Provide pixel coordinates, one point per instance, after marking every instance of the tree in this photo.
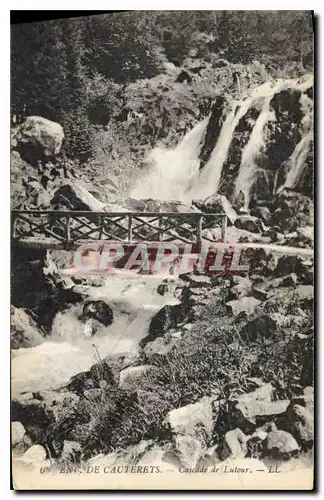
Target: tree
(121, 46)
(75, 120)
(48, 78)
(37, 69)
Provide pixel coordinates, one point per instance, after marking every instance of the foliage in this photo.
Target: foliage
(76, 71)
(121, 46)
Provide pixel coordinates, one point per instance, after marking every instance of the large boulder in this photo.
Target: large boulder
(245, 305)
(194, 420)
(249, 223)
(256, 408)
(71, 451)
(73, 196)
(306, 234)
(241, 288)
(235, 444)
(37, 411)
(170, 316)
(35, 454)
(300, 422)
(308, 398)
(159, 347)
(24, 331)
(38, 139)
(262, 327)
(281, 444)
(217, 204)
(293, 210)
(17, 432)
(298, 419)
(99, 311)
(188, 450)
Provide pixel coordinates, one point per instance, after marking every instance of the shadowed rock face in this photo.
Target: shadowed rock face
(75, 197)
(232, 163)
(213, 130)
(98, 310)
(170, 316)
(23, 329)
(31, 289)
(284, 133)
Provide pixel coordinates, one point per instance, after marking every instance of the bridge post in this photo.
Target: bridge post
(160, 233)
(130, 231)
(199, 229)
(13, 225)
(68, 232)
(224, 227)
(101, 226)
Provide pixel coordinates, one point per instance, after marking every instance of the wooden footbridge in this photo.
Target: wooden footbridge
(70, 229)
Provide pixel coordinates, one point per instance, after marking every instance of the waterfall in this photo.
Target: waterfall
(172, 170)
(174, 173)
(297, 161)
(206, 183)
(68, 352)
(252, 150)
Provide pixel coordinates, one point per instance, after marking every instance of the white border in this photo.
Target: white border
(5, 198)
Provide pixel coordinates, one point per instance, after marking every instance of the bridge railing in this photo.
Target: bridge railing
(128, 227)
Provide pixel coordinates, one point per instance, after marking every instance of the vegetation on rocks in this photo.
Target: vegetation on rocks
(119, 71)
(233, 358)
(223, 357)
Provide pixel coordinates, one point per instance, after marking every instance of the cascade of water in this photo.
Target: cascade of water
(175, 173)
(297, 161)
(173, 170)
(207, 180)
(252, 151)
(68, 352)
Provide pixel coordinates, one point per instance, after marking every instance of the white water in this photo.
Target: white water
(134, 300)
(172, 170)
(252, 151)
(297, 162)
(207, 181)
(175, 174)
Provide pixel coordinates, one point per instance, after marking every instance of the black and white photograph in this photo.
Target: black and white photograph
(162, 250)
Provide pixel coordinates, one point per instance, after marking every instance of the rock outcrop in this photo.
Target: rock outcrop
(170, 316)
(281, 444)
(73, 196)
(38, 139)
(24, 331)
(99, 311)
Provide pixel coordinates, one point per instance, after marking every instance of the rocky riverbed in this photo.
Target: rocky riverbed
(187, 370)
(191, 367)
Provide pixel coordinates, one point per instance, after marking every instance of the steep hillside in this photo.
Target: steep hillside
(172, 112)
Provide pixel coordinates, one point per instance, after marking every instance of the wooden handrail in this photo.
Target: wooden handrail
(117, 214)
(108, 223)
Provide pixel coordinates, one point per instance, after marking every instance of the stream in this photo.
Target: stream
(134, 301)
